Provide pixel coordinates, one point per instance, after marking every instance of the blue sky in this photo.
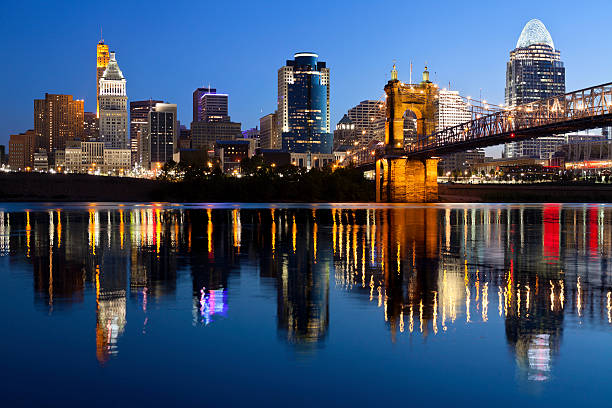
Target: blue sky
(167, 49)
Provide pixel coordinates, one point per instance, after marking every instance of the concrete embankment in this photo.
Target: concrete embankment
(75, 187)
(513, 193)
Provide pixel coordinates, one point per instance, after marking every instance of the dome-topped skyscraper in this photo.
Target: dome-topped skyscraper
(534, 32)
(535, 71)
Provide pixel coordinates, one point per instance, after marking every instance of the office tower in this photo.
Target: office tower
(162, 133)
(214, 122)
(345, 134)
(139, 121)
(535, 71)
(451, 110)
(369, 120)
(205, 134)
(253, 135)
(3, 156)
(210, 106)
(57, 119)
(102, 58)
(21, 150)
(91, 126)
(303, 105)
(269, 134)
(113, 107)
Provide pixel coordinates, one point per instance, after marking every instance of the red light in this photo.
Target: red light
(512, 135)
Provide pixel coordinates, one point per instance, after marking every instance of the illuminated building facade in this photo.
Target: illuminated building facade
(113, 107)
(57, 119)
(303, 105)
(535, 71)
(345, 133)
(269, 134)
(139, 122)
(102, 58)
(451, 111)
(210, 106)
(21, 150)
(91, 126)
(161, 134)
(369, 120)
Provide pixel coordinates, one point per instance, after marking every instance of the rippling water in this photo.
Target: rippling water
(291, 305)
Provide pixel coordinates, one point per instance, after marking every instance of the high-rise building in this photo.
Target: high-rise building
(270, 137)
(21, 150)
(452, 110)
(113, 107)
(57, 119)
(3, 156)
(205, 134)
(102, 58)
(210, 106)
(162, 132)
(139, 121)
(214, 122)
(345, 134)
(91, 126)
(535, 71)
(303, 105)
(369, 120)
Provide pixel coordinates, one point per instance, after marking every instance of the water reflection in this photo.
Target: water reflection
(429, 269)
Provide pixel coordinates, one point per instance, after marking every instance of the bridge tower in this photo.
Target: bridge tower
(399, 179)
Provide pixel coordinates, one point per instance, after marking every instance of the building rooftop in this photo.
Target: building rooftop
(534, 32)
(112, 70)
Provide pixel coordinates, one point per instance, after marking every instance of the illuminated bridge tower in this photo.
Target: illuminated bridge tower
(399, 179)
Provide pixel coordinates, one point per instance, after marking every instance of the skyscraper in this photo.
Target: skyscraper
(102, 58)
(113, 107)
(303, 105)
(213, 121)
(162, 132)
(535, 71)
(269, 132)
(139, 121)
(210, 106)
(452, 110)
(369, 120)
(57, 119)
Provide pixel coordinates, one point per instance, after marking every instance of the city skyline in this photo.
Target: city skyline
(468, 70)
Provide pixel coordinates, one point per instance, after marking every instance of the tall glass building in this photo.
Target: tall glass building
(303, 105)
(535, 71)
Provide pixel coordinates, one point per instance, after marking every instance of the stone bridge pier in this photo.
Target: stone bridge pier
(403, 180)
(400, 179)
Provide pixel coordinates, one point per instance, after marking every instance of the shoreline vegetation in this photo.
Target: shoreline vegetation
(269, 184)
(265, 182)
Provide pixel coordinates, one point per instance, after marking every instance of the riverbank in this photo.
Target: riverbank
(317, 186)
(76, 187)
(531, 193)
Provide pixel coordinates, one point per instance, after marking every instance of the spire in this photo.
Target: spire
(394, 73)
(426, 75)
(101, 37)
(112, 69)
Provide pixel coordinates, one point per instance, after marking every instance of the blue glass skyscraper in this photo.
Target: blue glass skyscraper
(303, 105)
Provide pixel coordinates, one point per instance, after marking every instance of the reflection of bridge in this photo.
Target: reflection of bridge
(409, 173)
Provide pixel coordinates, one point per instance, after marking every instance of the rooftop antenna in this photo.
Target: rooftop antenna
(101, 36)
(410, 72)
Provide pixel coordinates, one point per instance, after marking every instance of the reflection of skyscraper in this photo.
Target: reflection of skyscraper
(303, 284)
(535, 71)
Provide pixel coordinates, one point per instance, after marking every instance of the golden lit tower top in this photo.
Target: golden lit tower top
(103, 57)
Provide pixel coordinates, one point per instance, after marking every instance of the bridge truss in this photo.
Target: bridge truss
(579, 110)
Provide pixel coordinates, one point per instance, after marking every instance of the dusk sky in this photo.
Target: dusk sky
(167, 49)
